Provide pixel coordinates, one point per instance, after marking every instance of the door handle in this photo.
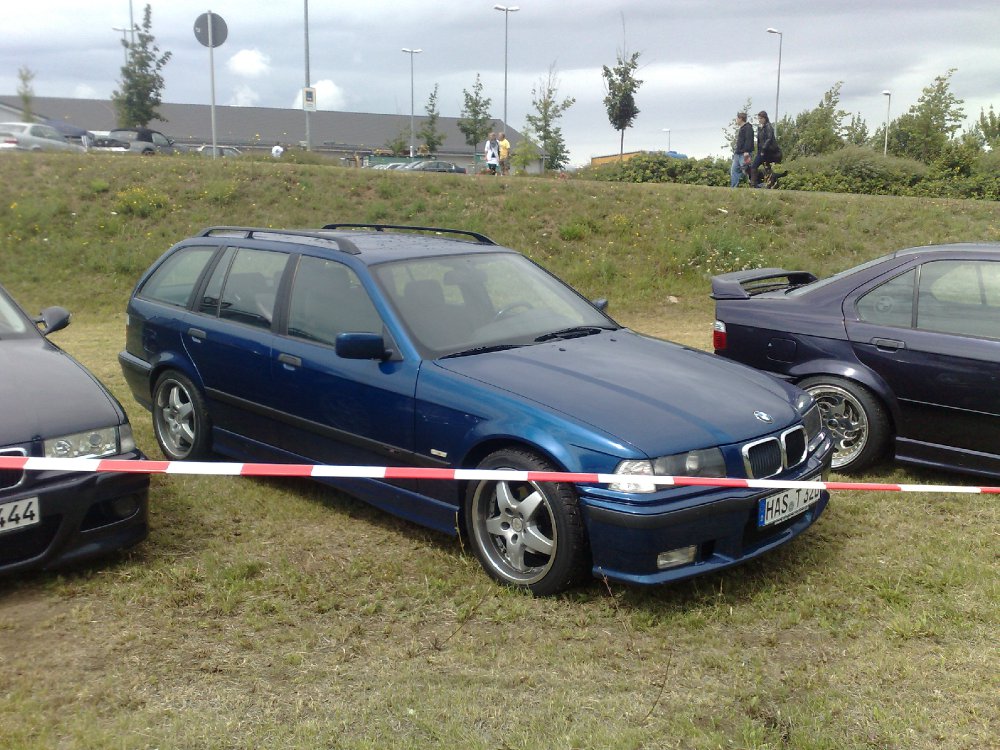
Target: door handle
(888, 345)
(196, 333)
(288, 359)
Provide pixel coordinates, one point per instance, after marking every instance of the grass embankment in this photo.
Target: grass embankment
(278, 614)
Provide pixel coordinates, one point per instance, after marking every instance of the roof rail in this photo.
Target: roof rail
(482, 239)
(306, 236)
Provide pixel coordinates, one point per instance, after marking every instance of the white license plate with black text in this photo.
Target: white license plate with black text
(785, 504)
(19, 514)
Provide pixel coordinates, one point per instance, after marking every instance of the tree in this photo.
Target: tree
(26, 91)
(428, 133)
(548, 110)
(400, 145)
(142, 84)
(922, 132)
(816, 131)
(856, 132)
(621, 85)
(988, 128)
(475, 122)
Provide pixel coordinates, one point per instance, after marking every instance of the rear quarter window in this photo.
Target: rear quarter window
(174, 280)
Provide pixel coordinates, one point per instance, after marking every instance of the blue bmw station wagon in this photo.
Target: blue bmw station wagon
(407, 346)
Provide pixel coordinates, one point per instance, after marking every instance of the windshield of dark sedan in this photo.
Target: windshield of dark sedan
(12, 322)
(470, 302)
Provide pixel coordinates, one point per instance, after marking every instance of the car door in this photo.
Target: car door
(933, 334)
(230, 339)
(338, 410)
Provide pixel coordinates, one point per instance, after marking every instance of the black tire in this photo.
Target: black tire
(180, 419)
(526, 534)
(855, 418)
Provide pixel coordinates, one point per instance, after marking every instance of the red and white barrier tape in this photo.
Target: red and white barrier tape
(25, 463)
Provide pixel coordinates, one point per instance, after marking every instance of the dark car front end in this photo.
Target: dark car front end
(53, 407)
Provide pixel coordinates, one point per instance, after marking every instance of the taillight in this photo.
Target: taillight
(718, 335)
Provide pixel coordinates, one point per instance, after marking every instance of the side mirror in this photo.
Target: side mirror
(53, 319)
(600, 304)
(361, 346)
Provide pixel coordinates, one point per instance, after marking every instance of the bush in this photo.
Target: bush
(663, 168)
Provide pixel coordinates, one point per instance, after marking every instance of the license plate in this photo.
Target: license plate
(784, 505)
(19, 514)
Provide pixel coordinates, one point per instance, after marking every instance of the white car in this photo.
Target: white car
(223, 151)
(33, 136)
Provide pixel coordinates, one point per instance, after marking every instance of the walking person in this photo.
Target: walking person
(766, 147)
(504, 154)
(742, 151)
(492, 153)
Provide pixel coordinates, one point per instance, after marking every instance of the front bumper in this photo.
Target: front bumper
(720, 523)
(83, 515)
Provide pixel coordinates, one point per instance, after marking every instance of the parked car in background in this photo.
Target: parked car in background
(434, 166)
(138, 141)
(901, 353)
(33, 136)
(437, 348)
(221, 151)
(51, 406)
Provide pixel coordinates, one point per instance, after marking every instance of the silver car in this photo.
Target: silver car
(32, 136)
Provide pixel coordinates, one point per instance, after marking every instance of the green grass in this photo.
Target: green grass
(275, 613)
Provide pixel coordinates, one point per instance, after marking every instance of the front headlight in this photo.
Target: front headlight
(701, 463)
(89, 444)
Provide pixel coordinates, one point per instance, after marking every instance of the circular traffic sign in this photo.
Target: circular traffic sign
(219, 29)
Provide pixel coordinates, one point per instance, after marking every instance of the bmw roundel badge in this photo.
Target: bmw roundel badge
(763, 416)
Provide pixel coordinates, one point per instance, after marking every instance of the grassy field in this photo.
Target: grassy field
(274, 613)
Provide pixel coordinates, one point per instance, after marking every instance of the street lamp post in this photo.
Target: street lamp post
(777, 93)
(888, 101)
(305, 16)
(125, 44)
(667, 131)
(507, 10)
(411, 53)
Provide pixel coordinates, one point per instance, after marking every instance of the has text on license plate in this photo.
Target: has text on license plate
(18, 514)
(785, 504)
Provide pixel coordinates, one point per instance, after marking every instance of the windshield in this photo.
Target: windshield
(12, 322)
(482, 301)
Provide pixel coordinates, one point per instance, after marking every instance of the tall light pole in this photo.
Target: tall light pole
(125, 44)
(308, 84)
(411, 53)
(888, 101)
(507, 10)
(777, 94)
(667, 131)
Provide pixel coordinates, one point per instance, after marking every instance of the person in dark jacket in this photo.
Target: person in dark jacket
(742, 151)
(766, 146)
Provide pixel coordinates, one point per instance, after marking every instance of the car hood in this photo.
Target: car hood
(45, 393)
(655, 395)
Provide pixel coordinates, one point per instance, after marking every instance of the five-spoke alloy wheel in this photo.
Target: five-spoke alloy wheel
(180, 418)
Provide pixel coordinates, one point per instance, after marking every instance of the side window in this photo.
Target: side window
(210, 298)
(960, 297)
(160, 140)
(252, 286)
(891, 303)
(327, 300)
(174, 281)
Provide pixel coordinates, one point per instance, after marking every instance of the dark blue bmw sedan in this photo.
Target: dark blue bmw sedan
(404, 346)
(901, 353)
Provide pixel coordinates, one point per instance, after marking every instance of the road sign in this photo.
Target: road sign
(219, 30)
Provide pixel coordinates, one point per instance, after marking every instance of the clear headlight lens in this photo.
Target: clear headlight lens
(701, 463)
(89, 444)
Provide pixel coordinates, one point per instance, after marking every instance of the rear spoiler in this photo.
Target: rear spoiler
(745, 284)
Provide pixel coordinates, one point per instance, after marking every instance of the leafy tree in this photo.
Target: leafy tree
(856, 132)
(26, 91)
(548, 109)
(988, 127)
(922, 132)
(432, 138)
(525, 153)
(732, 131)
(475, 122)
(621, 85)
(142, 84)
(816, 131)
(400, 144)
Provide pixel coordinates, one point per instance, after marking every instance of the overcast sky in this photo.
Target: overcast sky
(700, 59)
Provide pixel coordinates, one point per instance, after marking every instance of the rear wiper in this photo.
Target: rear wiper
(483, 350)
(573, 333)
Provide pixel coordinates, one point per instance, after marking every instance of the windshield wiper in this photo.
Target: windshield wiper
(482, 350)
(573, 333)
